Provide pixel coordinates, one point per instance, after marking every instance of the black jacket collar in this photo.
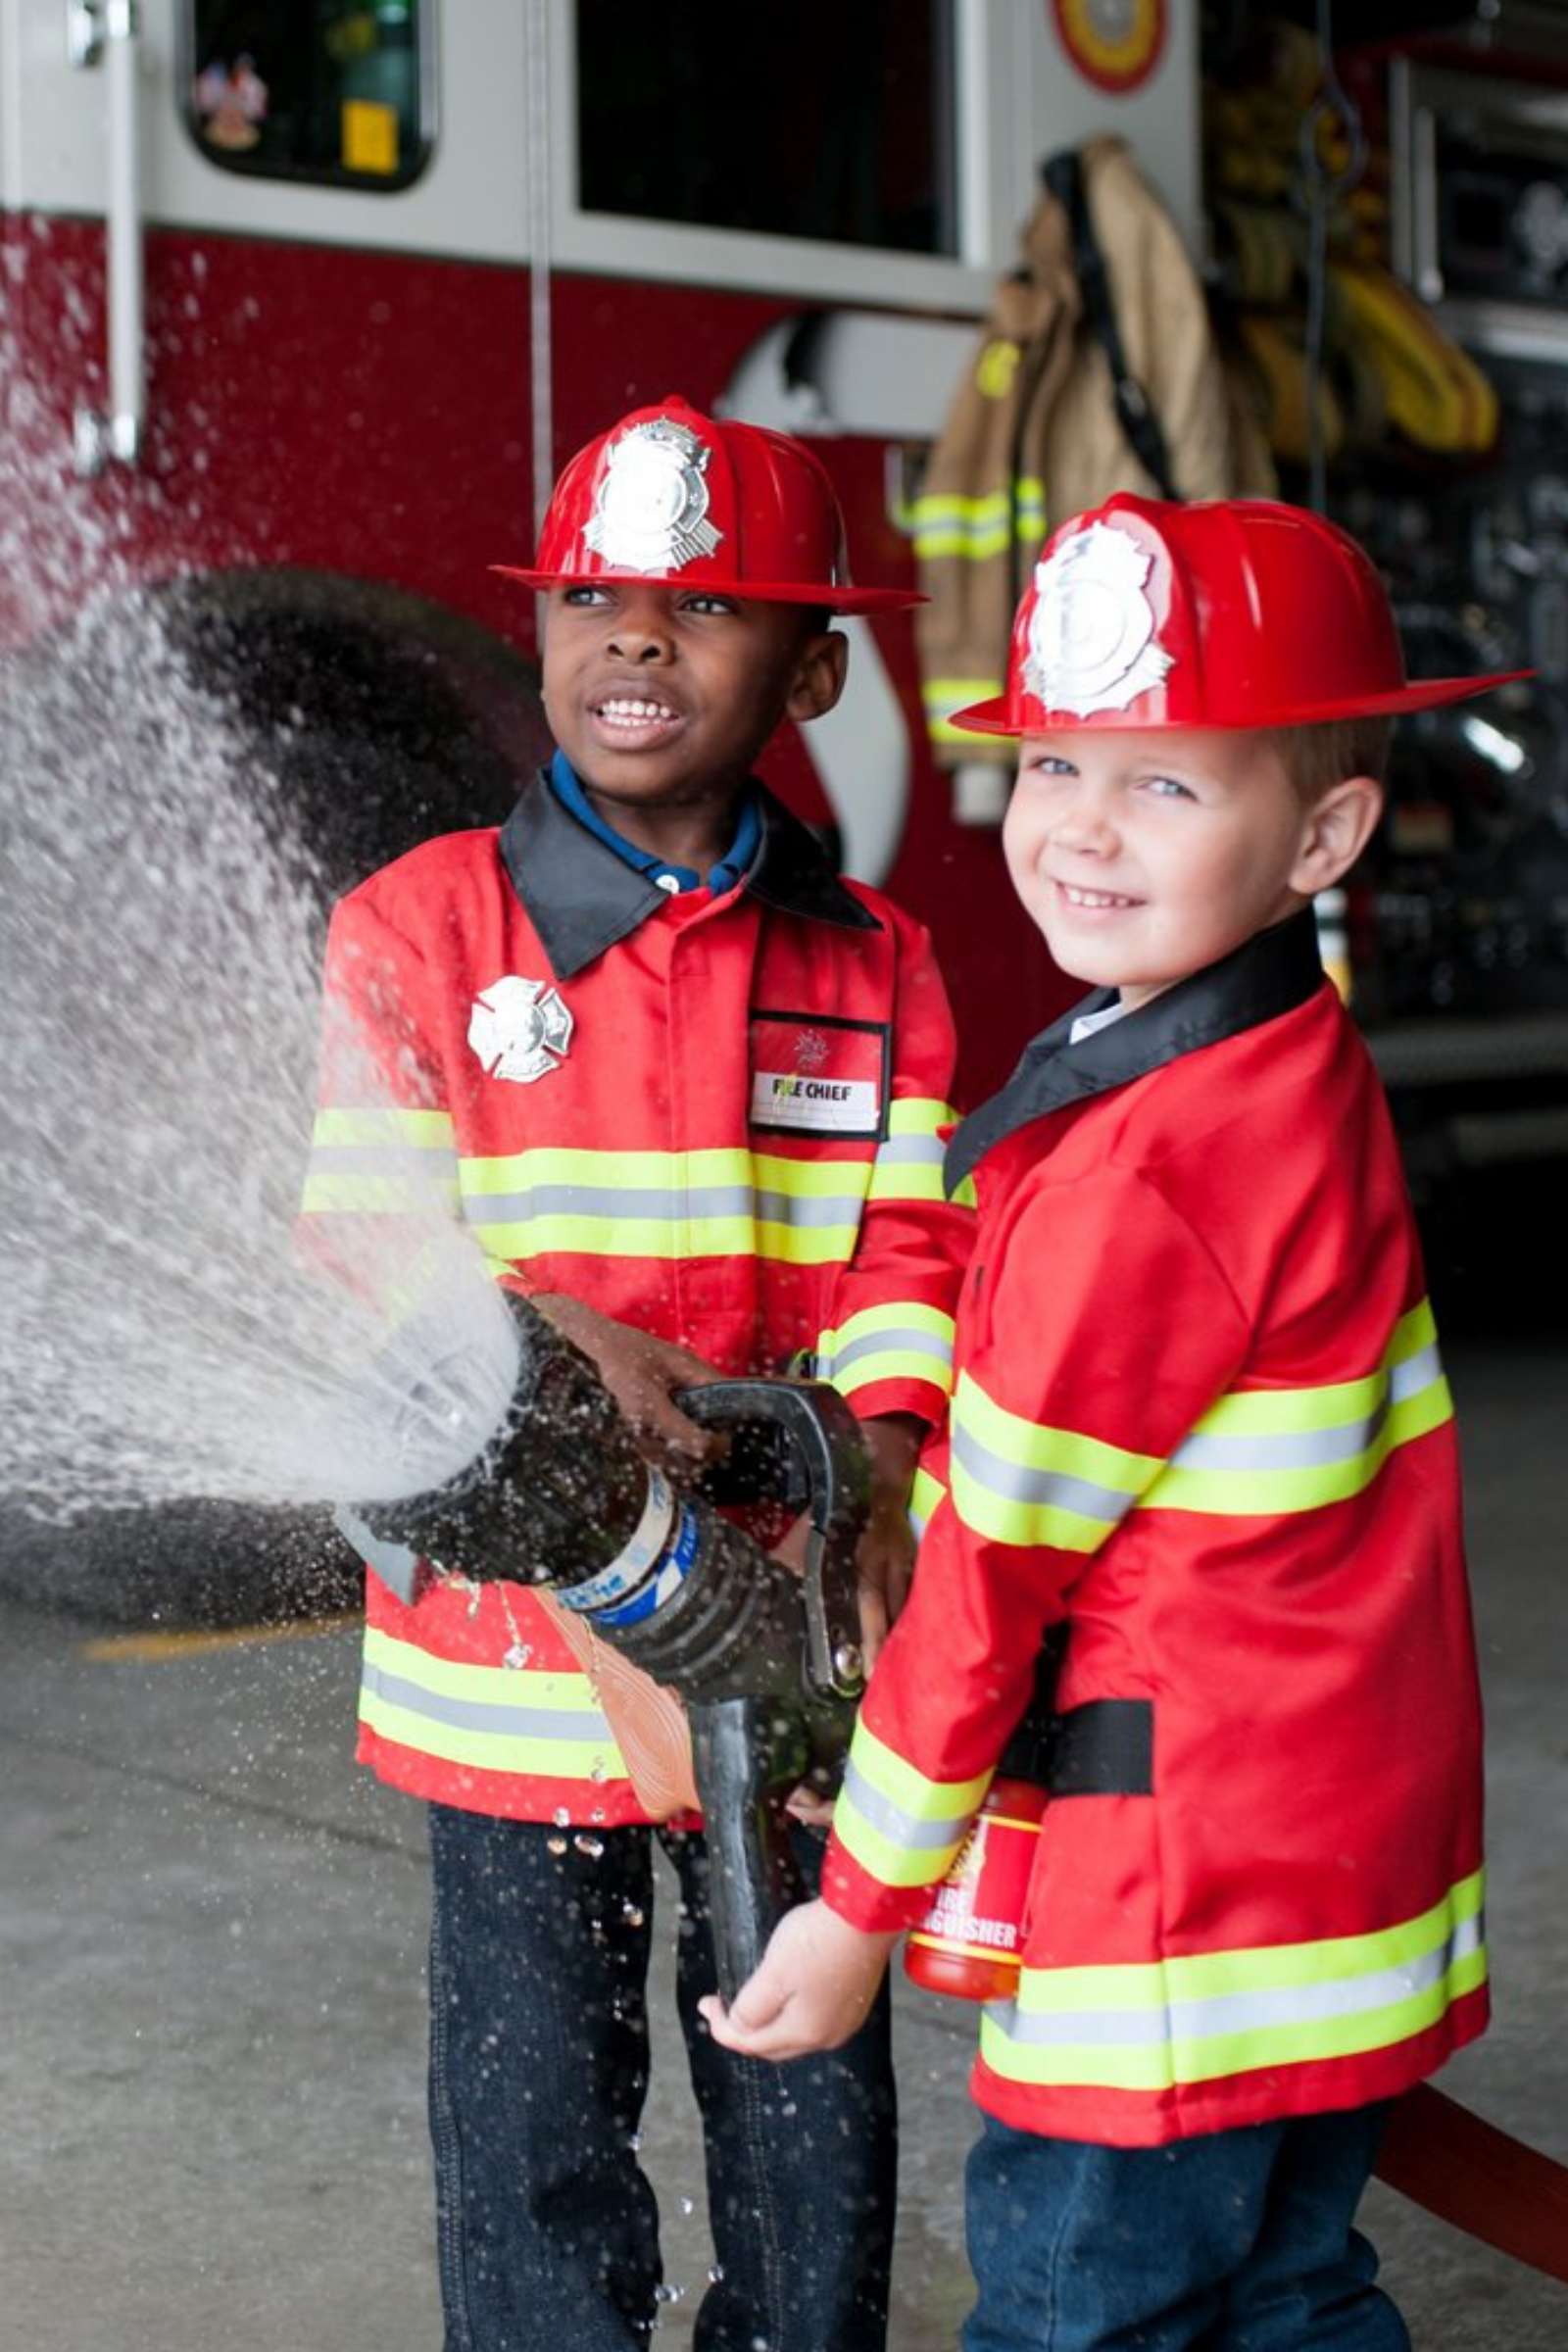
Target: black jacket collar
(583, 899)
(1269, 974)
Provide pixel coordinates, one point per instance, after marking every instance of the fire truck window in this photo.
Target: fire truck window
(334, 90)
(784, 118)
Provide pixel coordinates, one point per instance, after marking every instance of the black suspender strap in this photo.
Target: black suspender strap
(1062, 175)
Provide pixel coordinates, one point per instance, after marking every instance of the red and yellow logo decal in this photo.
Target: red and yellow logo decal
(1115, 44)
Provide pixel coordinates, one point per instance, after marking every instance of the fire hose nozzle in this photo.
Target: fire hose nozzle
(558, 1494)
(768, 1663)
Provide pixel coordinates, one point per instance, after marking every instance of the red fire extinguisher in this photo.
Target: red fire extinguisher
(969, 1943)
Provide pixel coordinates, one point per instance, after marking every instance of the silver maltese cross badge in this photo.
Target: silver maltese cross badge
(519, 1029)
(650, 507)
(1092, 633)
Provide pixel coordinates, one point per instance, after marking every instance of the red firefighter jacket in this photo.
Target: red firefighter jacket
(1199, 1423)
(720, 1118)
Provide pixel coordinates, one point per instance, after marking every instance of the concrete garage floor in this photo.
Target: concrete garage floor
(212, 2021)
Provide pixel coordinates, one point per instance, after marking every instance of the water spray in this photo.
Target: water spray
(768, 1663)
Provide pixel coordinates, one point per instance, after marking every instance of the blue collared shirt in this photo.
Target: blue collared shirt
(731, 868)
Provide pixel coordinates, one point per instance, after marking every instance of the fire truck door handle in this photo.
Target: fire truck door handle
(108, 32)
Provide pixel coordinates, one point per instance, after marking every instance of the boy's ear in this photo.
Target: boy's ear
(819, 675)
(1339, 827)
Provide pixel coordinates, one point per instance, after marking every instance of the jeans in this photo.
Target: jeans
(1240, 2241)
(547, 2225)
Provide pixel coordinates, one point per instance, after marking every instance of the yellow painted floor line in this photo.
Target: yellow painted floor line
(192, 1643)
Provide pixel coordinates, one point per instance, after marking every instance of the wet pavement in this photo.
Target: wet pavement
(212, 2018)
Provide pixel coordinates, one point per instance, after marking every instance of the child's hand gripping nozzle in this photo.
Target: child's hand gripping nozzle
(768, 1663)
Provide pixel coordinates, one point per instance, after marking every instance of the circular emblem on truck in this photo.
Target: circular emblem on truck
(1115, 44)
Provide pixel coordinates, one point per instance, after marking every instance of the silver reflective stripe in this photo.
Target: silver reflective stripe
(1313, 1449)
(626, 1204)
(1219, 2015)
(611, 1204)
(431, 1164)
(912, 1151)
(903, 1830)
(1016, 1481)
(899, 1342)
(500, 1722)
(809, 1209)
(1281, 1449)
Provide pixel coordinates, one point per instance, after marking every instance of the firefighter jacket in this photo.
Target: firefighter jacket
(1201, 1426)
(719, 1118)
(1033, 434)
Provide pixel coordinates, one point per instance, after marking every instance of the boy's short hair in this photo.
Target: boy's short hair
(1326, 751)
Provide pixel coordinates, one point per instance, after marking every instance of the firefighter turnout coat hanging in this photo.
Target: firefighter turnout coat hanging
(1234, 1478)
(718, 1116)
(1047, 421)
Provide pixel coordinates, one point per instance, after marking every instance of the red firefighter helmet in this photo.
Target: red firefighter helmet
(1234, 613)
(678, 500)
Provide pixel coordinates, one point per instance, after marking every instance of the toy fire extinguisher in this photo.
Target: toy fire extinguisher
(969, 1943)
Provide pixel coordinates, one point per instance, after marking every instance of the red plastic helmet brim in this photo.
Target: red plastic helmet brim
(999, 715)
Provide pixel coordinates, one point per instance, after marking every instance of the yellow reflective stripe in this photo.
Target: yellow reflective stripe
(902, 1828)
(1020, 1481)
(1192, 2019)
(975, 530)
(920, 1115)
(902, 1340)
(549, 1168)
(1255, 1453)
(1266, 1451)
(496, 1718)
(908, 1161)
(379, 1164)
(666, 1204)
(925, 1494)
(375, 1130)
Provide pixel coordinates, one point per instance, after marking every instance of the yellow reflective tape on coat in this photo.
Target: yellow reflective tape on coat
(1280, 1450)
(978, 529)
(1016, 1480)
(492, 1718)
(379, 1164)
(925, 1494)
(721, 1203)
(1197, 2018)
(900, 1340)
(908, 1161)
(902, 1828)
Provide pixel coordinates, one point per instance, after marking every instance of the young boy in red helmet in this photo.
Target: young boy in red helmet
(1201, 1436)
(599, 1016)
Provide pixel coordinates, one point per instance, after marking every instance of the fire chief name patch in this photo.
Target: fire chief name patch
(816, 1075)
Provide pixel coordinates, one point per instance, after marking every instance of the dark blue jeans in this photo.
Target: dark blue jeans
(1241, 2241)
(548, 2227)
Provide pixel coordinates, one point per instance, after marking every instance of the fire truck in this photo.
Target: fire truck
(306, 304)
(303, 306)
